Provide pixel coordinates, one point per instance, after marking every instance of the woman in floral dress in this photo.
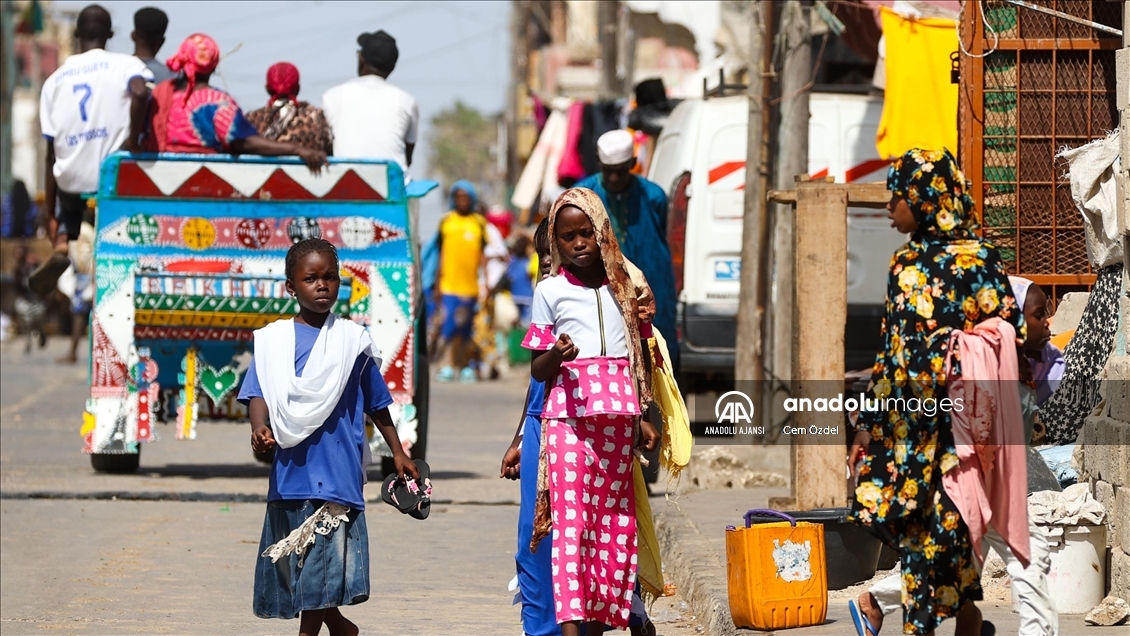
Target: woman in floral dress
(944, 278)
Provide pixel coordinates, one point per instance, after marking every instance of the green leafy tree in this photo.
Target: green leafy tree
(463, 144)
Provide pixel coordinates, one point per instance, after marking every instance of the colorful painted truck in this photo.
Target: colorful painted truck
(189, 261)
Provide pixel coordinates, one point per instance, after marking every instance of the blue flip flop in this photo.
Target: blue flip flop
(862, 625)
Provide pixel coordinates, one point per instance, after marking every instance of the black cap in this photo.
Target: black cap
(150, 20)
(379, 50)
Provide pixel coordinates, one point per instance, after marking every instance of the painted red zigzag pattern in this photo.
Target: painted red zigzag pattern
(205, 184)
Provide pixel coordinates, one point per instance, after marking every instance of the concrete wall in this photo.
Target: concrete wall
(1106, 467)
(1106, 436)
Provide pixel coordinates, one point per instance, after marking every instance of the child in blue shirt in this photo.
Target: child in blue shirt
(311, 383)
(521, 282)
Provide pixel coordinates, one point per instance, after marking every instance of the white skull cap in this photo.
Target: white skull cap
(615, 147)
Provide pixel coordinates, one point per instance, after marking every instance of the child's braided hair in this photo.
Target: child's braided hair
(304, 248)
(541, 236)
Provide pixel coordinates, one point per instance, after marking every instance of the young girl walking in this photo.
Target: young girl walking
(311, 383)
(535, 579)
(586, 336)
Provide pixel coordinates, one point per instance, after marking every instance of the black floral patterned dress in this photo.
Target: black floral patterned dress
(945, 278)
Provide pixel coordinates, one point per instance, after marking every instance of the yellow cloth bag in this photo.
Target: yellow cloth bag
(920, 104)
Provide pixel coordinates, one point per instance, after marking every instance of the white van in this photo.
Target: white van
(700, 160)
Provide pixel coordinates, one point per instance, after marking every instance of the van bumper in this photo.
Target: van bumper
(708, 335)
(708, 338)
(696, 361)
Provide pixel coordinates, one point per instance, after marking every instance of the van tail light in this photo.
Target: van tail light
(677, 225)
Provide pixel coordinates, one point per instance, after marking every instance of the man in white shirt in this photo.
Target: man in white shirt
(93, 105)
(370, 117)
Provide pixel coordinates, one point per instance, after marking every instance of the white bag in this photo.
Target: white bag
(506, 313)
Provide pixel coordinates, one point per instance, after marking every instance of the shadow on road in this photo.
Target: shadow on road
(208, 471)
(375, 474)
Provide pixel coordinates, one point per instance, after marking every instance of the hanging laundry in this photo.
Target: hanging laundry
(600, 117)
(533, 175)
(1092, 168)
(572, 168)
(1086, 355)
(920, 106)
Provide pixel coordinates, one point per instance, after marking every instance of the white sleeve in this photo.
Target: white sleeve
(46, 103)
(133, 67)
(540, 311)
(413, 121)
(540, 337)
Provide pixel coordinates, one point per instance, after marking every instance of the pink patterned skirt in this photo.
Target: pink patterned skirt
(592, 498)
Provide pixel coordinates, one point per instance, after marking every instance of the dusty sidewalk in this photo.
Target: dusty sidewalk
(691, 531)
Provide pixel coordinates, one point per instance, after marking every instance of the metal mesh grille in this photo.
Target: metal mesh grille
(1038, 94)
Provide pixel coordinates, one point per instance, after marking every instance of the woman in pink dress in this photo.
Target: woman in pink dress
(586, 336)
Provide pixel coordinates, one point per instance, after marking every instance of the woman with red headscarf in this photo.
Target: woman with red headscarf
(284, 118)
(187, 115)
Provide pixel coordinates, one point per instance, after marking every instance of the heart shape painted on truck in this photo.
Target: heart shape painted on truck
(217, 383)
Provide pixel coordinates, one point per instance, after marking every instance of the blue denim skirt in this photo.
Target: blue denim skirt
(334, 572)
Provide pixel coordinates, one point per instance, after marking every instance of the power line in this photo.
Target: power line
(427, 55)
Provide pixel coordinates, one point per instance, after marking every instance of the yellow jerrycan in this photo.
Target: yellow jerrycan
(776, 572)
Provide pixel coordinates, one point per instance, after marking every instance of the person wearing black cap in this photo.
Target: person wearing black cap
(149, 24)
(369, 116)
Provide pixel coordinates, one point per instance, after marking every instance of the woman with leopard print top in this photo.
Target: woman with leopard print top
(287, 119)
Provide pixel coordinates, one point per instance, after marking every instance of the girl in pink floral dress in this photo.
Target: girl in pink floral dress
(585, 333)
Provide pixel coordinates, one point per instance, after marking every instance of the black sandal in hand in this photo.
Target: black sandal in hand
(410, 496)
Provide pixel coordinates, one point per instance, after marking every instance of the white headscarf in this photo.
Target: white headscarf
(1019, 290)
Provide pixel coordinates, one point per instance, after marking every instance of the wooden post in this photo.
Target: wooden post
(747, 355)
(518, 69)
(819, 316)
(792, 160)
(609, 21)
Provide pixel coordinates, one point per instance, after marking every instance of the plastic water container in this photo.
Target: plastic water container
(1076, 579)
(518, 354)
(776, 574)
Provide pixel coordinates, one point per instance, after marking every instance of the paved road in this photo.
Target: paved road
(173, 552)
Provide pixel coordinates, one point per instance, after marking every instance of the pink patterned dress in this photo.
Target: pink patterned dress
(589, 411)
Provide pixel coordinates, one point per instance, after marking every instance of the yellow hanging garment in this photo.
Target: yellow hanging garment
(675, 451)
(649, 565)
(920, 105)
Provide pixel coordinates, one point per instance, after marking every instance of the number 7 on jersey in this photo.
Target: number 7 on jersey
(85, 88)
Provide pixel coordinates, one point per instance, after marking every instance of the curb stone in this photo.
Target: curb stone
(698, 573)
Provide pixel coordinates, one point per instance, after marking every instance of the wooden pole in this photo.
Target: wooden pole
(747, 358)
(609, 21)
(819, 313)
(792, 160)
(518, 63)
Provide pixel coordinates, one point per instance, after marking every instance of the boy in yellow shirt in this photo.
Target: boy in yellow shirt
(462, 238)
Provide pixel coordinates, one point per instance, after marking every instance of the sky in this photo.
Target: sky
(448, 51)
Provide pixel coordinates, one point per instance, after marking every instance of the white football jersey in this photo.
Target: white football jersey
(84, 110)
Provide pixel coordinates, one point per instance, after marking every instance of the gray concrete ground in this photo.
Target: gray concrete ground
(171, 549)
(692, 535)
